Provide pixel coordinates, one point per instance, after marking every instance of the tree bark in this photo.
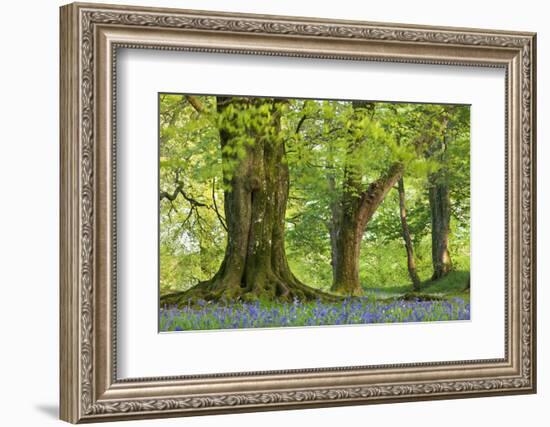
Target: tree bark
(440, 211)
(255, 264)
(357, 209)
(333, 224)
(411, 263)
(351, 215)
(440, 218)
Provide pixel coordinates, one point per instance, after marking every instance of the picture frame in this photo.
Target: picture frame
(91, 35)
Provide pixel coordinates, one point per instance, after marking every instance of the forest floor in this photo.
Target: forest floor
(454, 285)
(442, 300)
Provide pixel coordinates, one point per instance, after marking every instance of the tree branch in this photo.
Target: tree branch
(300, 123)
(195, 102)
(215, 205)
(377, 190)
(179, 190)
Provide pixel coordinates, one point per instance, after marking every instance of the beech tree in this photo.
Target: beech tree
(441, 218)
(451, 126)
(411, 262)
(362, 164)
(358, 205)
(277, 199)
(256, 186)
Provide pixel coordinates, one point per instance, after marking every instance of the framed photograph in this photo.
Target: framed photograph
(266, 212)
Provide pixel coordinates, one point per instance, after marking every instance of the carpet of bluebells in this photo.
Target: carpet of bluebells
(208, 315)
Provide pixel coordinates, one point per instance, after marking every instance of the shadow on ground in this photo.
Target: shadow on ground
(50, 410)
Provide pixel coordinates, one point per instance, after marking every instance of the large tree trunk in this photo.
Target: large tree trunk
(357, 209)
(411, 263)
(352, 214)
(440, 210)
(255, 265)
(440, 215)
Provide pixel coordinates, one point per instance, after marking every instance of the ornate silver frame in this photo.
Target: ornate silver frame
(90, 36)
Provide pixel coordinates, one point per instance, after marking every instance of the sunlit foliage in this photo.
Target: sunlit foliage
(319, 136)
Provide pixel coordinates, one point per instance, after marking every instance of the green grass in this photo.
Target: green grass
(454, 282)
(451, 286)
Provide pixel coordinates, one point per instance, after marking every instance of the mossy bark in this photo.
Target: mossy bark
(358, 207)
(405, 231)
(255, 265)
(440, 207)
(355, 210)
(440, 218)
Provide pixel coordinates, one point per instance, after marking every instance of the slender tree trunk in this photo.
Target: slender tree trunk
(440, 216)
(255, 265)
(334, 223)
(411, 264)
(357, 210)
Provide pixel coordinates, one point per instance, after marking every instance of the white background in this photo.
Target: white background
(29, 171)
(140, 347)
